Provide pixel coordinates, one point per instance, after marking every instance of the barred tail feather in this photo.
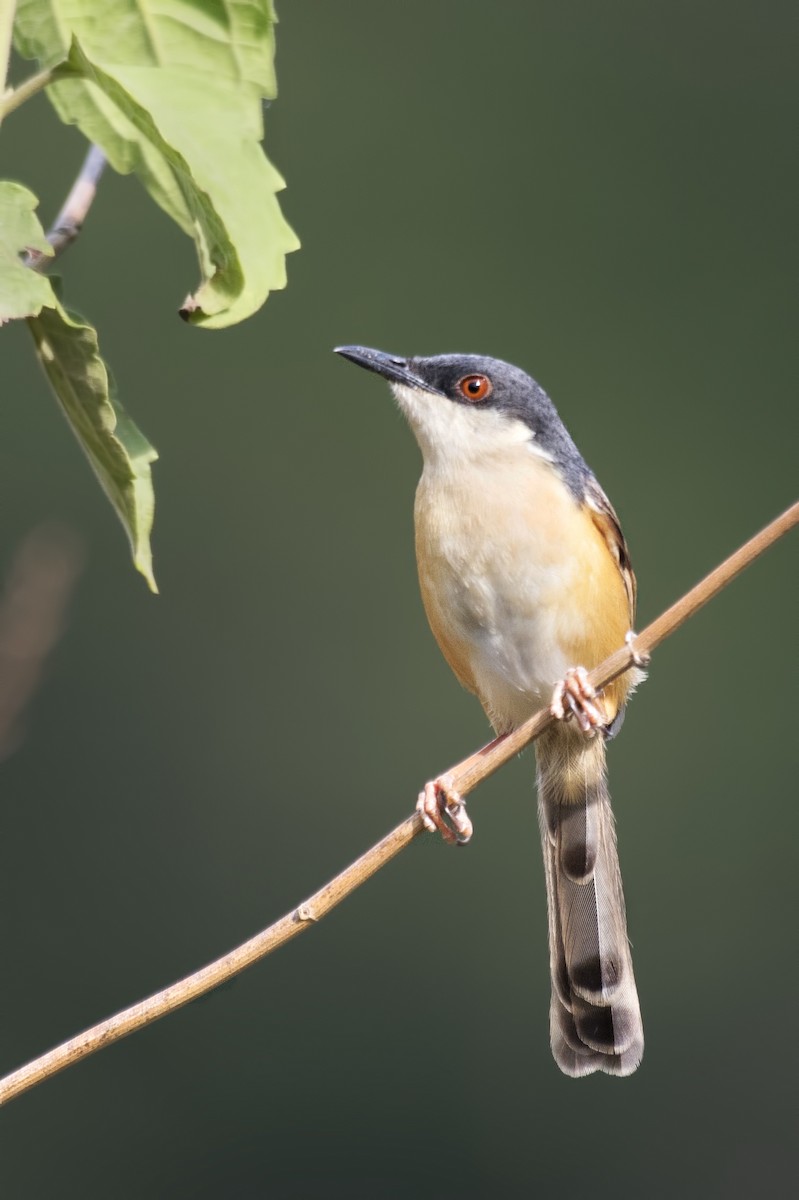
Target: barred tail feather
(595, 1018)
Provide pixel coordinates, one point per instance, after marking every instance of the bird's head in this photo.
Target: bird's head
(468, 406)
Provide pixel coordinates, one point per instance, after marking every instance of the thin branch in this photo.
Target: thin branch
(74, 211)
(466, 776)
(474, 770)
(7, 12)
(14, 97)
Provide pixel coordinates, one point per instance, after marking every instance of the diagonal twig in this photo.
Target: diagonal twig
(465, 776)
(13, 98)
(69, 222)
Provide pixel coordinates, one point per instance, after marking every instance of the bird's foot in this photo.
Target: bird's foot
(575, 697)
(442, 808)
(641, 659)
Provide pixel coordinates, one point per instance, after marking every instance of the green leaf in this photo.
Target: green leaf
(119, 453)
(173, 90)
(23, 292)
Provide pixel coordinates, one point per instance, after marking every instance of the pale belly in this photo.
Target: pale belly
(504, 595)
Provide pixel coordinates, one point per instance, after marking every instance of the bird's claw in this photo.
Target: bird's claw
(574, 696)
(640, 658)
(442, 808)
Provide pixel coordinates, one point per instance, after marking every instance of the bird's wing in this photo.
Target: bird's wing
(604, 517)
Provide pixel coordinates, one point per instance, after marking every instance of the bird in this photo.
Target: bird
(527, 584)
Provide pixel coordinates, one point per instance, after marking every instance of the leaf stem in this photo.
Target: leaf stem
(14, 97)
(465, 776)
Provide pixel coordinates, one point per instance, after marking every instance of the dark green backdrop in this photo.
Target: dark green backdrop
(606, 195)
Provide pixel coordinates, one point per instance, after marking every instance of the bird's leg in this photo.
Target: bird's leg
(441, 808)
(574, 696)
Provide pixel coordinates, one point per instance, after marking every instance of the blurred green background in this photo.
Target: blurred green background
(604, 194)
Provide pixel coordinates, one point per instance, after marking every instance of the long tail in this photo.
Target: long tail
(595, 1018)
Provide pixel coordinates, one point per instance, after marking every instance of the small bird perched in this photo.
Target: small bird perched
(524, 572)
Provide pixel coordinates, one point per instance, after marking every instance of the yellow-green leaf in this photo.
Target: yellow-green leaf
(118, 451)
(173, 90)
(23, 292)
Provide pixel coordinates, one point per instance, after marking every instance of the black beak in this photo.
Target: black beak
(392, 368)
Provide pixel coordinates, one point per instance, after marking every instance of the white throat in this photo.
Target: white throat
(448, 432)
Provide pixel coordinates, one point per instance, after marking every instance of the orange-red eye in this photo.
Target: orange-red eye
(475, 387)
